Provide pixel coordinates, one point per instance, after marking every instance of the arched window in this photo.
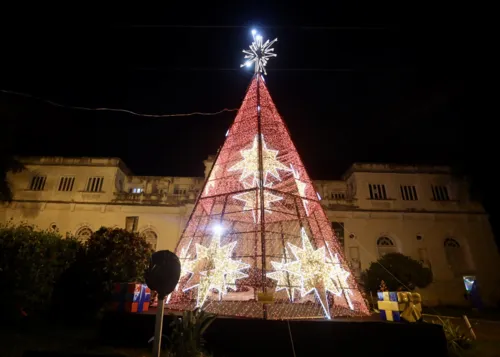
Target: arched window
(53, 227)
(385, 245)
(83, 234)
(455, 256)
(151, 237)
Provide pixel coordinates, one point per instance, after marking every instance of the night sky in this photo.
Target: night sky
(355, 81)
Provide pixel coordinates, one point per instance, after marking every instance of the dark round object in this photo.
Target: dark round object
(163, 273)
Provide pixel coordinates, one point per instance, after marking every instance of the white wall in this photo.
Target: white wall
(159, 209)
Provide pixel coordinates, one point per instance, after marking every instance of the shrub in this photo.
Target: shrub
(110, 256)
(457, 341)
(186, 338)
(31, 261)
(398, 272)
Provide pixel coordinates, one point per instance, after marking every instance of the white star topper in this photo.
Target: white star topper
(259, 53)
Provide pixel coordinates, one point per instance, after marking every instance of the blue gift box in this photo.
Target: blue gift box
(389, 306)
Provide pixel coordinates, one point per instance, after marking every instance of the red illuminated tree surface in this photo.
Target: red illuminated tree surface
(258, 229)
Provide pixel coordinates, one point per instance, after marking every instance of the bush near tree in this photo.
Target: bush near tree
(398, 271)
(40, 271)
(31, 261)
(110, 256)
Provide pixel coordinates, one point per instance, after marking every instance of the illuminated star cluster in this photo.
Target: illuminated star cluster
(301, 187)
(318, 273)
(213, 269)
(287, 276)
(249, 166)
(259, 53)
(252, 200)
(250, 163)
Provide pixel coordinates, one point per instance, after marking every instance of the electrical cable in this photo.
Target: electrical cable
(26, 95)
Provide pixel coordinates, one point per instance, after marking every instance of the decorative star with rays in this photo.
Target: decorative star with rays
(184, 260)
(287, 276)
(252, 200)
(213, 269)
(259, 53)
(319, 274)
(341, 277)
(301, 188)
(250, 163)
(211, 180)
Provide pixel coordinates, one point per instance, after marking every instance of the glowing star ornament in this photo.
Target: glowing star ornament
(318, 272)
(214, 269)
(301, 187)
(250, 163)
(211, 183)
(341, 276)
(252, 200)
(259, 53)
(183, 259)
(287, 276)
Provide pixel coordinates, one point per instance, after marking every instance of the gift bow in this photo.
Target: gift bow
(410, 305)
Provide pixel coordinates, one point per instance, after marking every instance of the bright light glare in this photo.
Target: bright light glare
(254, 32)
(248, 63)
(218, 229)
(259, 38)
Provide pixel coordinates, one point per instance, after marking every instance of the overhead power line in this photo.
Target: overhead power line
(257, 26)
(50, 102)
(239, 69)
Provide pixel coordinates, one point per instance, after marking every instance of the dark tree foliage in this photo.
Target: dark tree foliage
(31, 261)
(398, 271)
(110, 256)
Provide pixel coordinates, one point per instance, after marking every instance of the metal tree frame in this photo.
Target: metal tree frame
(279, 242)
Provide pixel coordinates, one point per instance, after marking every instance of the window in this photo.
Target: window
(66, 183)
(178, 190)
(408, 193)
(338, 228)
(94, 184)
(454, 256)
(377, 192)
(131, 223)
(385, 245)
(423, 257)
(338, 196)
(136, 190)
(151, 237)
(440, 193)
(355, 261)
(83, 234)
(38, 183)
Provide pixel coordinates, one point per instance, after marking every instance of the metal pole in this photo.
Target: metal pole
(160, 312)
(261, 198)
(467, 323)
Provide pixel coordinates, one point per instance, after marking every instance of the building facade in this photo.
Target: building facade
(422, 212)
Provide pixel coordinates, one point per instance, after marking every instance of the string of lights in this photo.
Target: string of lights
(261, 27)
(50, 102)
(258, 233)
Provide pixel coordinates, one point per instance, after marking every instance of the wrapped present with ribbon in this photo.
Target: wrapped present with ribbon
(131, 297)
(397, 306)
(388, 305)
(410, 306)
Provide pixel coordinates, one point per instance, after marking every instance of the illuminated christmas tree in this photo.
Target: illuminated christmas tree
(258, 233)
